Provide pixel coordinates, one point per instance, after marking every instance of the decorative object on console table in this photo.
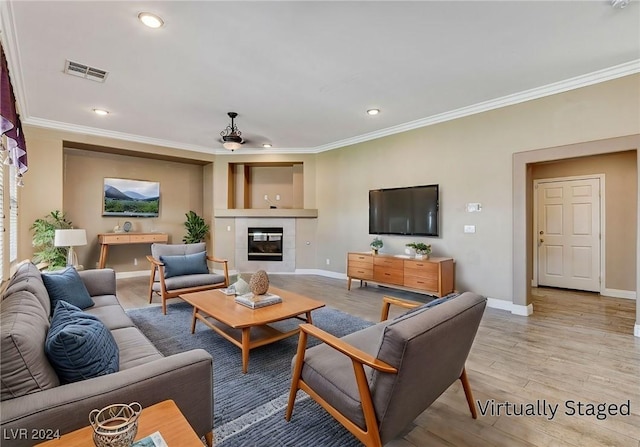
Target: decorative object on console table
(376, 244)
(259, 283)
(422, 250)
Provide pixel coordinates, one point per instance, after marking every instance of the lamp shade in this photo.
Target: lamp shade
(70, 238)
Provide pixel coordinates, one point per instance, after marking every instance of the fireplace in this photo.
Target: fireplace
(264, 244)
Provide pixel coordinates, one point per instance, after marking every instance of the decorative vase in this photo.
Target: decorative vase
(374, 251)
(115, 425)
(421, 256)
(259, 283)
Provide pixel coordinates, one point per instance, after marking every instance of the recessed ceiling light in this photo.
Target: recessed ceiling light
(101, 112)
(373, 111)
(266, 145)
(151, 20)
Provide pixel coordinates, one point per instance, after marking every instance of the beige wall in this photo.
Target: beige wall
(180, 191)
(621, 208)
(272, 181)
(73, 183)
(471, 160)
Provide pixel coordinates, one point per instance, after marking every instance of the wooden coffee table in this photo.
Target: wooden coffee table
(164, 417)
(249, 328)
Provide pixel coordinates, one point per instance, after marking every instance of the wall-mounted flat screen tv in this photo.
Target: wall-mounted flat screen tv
(130, 198)
(409, 211)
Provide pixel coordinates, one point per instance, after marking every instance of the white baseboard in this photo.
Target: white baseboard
(516, 309)
(122, 275)
(636, 330)
(617, 293)
(320, 272)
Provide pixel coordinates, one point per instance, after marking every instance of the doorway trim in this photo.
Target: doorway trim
(534, 223)
(521, 226)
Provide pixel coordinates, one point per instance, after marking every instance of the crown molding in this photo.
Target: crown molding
(595, 77)
(9, 41)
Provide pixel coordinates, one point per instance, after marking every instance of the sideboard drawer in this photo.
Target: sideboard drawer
(388, 262)
(360, 272)
(360, 258)
(115, 238)
(422, 283)
(389, 276)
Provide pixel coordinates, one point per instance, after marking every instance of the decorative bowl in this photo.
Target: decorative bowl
(115, 425)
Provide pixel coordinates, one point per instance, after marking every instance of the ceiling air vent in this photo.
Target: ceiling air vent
(84, 71)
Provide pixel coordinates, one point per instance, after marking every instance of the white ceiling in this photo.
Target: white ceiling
(301, 74)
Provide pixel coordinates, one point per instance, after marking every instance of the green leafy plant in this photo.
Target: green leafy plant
(197, 229)
(420, 248)
(376, 244)
(44, 231)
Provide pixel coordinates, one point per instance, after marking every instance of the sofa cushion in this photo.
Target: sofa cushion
(79, 345)
(180, 265)
(23, 329)
(67, 285)
(135, 349)
(113, 317)
(330, 372)
(180, 282)
(27, 277)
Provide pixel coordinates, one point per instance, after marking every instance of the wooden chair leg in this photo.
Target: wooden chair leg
(297, 372)
(209, 438)
(164, 304)
(468, 394)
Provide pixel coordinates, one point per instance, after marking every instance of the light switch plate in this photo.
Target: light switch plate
(474, 207)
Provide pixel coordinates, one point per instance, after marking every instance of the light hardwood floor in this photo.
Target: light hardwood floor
(575, 347)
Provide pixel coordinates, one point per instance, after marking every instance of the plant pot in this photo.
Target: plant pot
(421, 256)
(374, 251)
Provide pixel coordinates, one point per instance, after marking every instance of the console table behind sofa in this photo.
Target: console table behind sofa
(106, 239)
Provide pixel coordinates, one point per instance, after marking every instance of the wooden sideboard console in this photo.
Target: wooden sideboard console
(106, 239)
(433, 276)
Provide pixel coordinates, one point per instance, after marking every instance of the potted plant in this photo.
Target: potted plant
(376, 244)
(422, 250)
(44, 231)
(197, 229)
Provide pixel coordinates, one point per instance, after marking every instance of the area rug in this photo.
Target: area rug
(249, 408)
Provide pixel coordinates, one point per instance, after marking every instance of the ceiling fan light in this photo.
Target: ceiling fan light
(231, 138)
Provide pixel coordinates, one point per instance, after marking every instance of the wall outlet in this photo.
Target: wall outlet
(266, 197)
(328, 261)
(228, 227)
(135, 261)
(469, 228)
(277, 196)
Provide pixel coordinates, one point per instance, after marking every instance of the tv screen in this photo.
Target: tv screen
(409, 211)
(130, 198)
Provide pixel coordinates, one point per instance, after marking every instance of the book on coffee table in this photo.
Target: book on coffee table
(256, 301)
(155, 439)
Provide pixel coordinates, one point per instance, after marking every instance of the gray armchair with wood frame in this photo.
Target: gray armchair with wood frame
(376, 381)
(183, 268)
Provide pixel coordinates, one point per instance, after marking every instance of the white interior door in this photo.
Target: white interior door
(569, 234)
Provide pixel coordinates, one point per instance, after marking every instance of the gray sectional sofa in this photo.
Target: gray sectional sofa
(33, 400)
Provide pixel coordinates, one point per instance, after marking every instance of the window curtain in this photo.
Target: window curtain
(10, 126)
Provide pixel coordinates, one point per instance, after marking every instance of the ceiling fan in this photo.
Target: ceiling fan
(231, 136)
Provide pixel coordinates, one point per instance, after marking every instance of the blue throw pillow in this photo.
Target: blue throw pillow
(79, 346)
(67, 285)
(185, 264)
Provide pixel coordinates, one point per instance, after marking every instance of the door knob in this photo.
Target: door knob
(540, 242)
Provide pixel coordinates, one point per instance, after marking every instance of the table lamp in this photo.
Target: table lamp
(70, 238)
